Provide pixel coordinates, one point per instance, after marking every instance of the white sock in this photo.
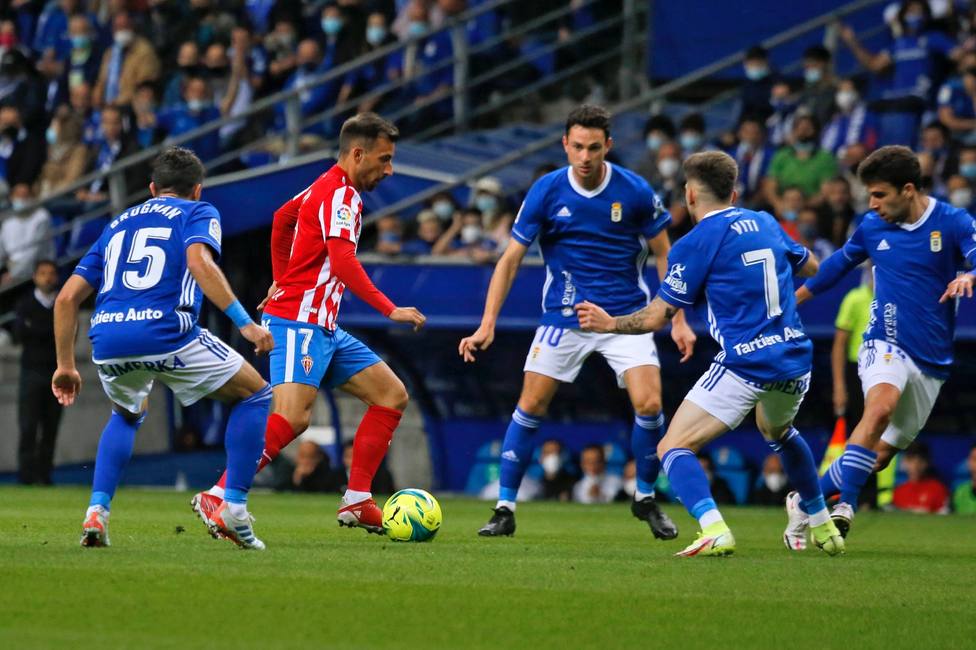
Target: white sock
(713, 516)
(505, 504)
(237, 510)
(819, 518)
(353, 496)
(217, 491)
(640, 496)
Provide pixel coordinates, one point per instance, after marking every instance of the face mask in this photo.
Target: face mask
(11, 132)
(690, 140)
(968, 170)
(389, 238)
(123, 37)
(756, 72)
(654, 142)
(845, 99)
(812, 75)
(550, 464)
(196, 105)
(775, 482)
(18, 204)
(416, 28)
(218, 71)
(331, 26)
(81, 42)
(470, 234)
(808, 231)
(961, 198)
(51, 135)
(668, 167)
(914, 22)
(375, 34)
(443, 209)
(789, 215)
(803, 146)
(486, 203)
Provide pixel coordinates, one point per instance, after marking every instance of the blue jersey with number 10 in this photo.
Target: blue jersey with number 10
(736, 268)
(147, 302)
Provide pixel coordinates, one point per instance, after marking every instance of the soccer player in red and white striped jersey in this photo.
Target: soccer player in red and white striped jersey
(313, 253)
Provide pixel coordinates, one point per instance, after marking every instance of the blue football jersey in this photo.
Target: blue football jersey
(147, 302)
(594, 243)
(736, 268)
(913, 265)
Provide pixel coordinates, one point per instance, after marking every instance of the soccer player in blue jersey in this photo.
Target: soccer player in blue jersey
(595, 222)
(918, 246)
(736, 267)
(151, 268)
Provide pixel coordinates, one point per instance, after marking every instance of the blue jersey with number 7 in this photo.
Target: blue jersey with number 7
(736, 268)
(146, 300)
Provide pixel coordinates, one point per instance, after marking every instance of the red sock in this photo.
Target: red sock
(370, 445)
(277, 435)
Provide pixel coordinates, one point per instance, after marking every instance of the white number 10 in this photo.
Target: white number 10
(764, 256)
(138, 251)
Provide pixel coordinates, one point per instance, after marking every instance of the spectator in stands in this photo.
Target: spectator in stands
(849, 162)
(837, 211)
(38, 409)
(24, 236)
(465, 237)
(964, 497)
(807, 227)
(313, 100)
(801, 164)
(666, 178)
(196, 110)
(629, 484)
(911, 64)
(230, 85)
(758, 86)
(280, 45)
(145, 105)
(819, 87)
(934, 155)
(389, 235)
(658, 130)
(721, 491)
(923, 492)
(80, 100)
(851, 123)
(67, 155)
(255, 58)
(50, 79)
(432, 75)
(960, 193)
(557, 480)
(21, 88)
(8, 36)
(788, 211)
(773, 486)
(187, 65)
(957, 102)
(429, 230)
(130, 61)
(852, 319)
(691, 134)
(113, 144)
(52, 26)
(313, 471)
(752, 154)
(496, 218)
(444, 206)
(381, 71)
(21, 151)
(85, 56)
(779, 124)
(596, 486)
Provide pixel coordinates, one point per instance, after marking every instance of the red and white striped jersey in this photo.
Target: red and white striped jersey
(308, 292)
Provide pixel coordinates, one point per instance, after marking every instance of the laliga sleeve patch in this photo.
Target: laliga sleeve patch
(343, 218)
(215, 229)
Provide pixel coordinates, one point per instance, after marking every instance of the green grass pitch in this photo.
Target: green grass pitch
(573, 577)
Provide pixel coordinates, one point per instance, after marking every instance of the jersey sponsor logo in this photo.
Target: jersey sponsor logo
(935, 241)
(564, 212)
(215, 229)
(891, 321)
(767, 340)
(883, 246)
(307, 363)
(130, 315)
(616, 212)
(674, 279)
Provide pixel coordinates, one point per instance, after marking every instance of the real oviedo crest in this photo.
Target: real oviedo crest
(616, 212)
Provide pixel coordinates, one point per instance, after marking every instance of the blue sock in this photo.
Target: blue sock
(798, 462)
(830, 481)
(114, 451)
(647, 432)
(857, 463)
(244, 442)
(689, 482)
(516, 453)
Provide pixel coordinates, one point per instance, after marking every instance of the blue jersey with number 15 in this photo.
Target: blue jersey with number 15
(147, 302)
(736, 268)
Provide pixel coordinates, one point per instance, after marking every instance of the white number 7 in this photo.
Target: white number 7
(765, 257)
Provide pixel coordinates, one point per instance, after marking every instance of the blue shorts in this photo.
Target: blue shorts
(306, 353)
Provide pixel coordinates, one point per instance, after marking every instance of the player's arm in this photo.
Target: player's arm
(810, 266)
(681, 333)
(213, 283)
(835, 267)
(66, 382)
(838, 360)
(501, 283)
(655, 316)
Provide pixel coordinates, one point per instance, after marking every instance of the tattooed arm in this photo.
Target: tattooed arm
(655, 316)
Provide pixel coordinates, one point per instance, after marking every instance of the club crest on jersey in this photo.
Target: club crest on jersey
(935, 241)
(616, 212)
(307, 363)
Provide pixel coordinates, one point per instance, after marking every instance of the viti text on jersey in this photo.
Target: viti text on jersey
(131, 314)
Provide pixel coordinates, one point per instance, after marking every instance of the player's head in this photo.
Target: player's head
(587, 140)
(709, 182)
(892, 176)
(177, 171)
(367, 143)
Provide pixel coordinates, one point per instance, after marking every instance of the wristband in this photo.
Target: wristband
(236, 312)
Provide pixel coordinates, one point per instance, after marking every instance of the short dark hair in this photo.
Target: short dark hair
(756, 52)
(817, 53)
(716, 170)
(894, 164)
(660, 122)
(365, 128)
(692, 122)
(177, 170)
(45, 262)
(589, 116)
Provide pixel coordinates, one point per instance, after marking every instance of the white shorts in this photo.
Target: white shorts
(730, 398)
(559, 353)
(879, 362)
(194, 371)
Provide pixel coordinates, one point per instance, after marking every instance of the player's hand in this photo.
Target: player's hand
(408, 315)
(593, 318)
(684, 337)
(66, 384)
(260, 337)
(480, 340)
(840, 400)
(961, 286)
(802, 295)
(271, 291)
